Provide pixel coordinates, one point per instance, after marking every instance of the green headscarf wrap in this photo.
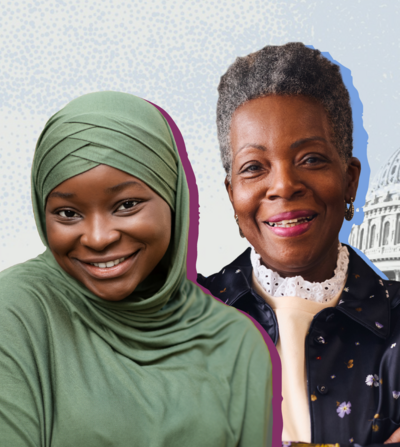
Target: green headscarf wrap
(131, 135)
(167, 366)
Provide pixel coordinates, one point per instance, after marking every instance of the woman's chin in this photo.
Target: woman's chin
(299, 257)
(290, 268)
(111, 290)
(291, 250)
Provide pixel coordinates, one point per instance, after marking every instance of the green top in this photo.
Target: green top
(167, 366)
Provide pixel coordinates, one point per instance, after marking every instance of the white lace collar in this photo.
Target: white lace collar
(321, 292)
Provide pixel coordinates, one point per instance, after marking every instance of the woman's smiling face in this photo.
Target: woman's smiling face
(285, 167)
(108, 230)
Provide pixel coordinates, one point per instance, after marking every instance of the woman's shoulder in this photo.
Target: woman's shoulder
(25, 287)
(223, 317)
(231, 281)
(364, 280)
(21, 276)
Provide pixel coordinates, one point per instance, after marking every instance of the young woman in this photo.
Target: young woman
(104, 341)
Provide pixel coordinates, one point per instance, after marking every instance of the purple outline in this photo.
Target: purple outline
(194, 214)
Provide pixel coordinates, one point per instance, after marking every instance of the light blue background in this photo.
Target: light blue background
(173, 53)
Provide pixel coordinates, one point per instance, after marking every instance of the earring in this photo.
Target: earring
(240, 230)
(349, 212)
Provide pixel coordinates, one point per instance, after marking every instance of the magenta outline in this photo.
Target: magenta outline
(194, 215)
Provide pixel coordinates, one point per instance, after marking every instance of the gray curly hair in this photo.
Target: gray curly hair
(290, 69)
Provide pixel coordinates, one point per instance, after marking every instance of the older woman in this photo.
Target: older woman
(285, 130)
(104, 341)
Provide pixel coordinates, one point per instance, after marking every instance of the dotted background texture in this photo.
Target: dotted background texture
(173, 54)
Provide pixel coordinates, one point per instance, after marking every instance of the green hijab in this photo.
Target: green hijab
(129, 134)
(168, 365)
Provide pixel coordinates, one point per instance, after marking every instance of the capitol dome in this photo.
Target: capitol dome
(379, 234)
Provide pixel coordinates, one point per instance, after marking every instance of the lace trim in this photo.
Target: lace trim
(321, 292)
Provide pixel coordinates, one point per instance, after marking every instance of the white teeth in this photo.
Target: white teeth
(104, 265)
(290, 223)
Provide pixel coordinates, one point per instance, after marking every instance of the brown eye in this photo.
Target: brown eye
(313, 161)
(128, 204)
(68, 214)
(251, 168)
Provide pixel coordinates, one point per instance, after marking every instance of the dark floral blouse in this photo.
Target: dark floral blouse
(352, 351)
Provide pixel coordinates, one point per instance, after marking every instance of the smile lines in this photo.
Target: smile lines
(291, 222)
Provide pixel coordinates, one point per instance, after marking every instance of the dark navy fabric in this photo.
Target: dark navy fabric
(352, 351)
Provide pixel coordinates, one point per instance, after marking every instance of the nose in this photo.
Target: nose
(99, 233)
(285, 182)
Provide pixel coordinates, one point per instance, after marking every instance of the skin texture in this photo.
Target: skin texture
(394, 438)
(284, 160)
(275, 170)
(89, 218)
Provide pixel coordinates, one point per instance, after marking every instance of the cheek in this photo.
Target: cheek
(59, 240)
(156, 234)
(153, 229)
(247, 197)
(332, 194)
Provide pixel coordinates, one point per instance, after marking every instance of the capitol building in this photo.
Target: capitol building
(379, 234)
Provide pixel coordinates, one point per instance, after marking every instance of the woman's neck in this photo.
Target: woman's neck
(319, 271)
(296, 285)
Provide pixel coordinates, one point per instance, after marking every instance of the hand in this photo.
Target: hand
(395, 437)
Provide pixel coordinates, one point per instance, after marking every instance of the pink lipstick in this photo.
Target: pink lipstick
(291, 223)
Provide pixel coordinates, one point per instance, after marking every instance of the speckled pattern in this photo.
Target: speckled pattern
(173, 54)
(351, 351)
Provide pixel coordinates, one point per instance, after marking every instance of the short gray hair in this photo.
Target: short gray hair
(291, 69)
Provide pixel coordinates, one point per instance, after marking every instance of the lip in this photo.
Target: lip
(110, 272)
(297, 230)
(290, 215)
(105, 259)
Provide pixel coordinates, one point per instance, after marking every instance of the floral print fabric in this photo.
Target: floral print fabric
(352, 351)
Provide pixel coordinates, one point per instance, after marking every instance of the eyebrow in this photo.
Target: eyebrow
(112, 189)
(256, 146)
(292, 146)
(122, 186)
(62, 195)
(306, 140)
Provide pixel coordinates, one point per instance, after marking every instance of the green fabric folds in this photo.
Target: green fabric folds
(167, 366)
(129, 134)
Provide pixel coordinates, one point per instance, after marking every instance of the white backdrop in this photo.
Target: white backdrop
(173, 53)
